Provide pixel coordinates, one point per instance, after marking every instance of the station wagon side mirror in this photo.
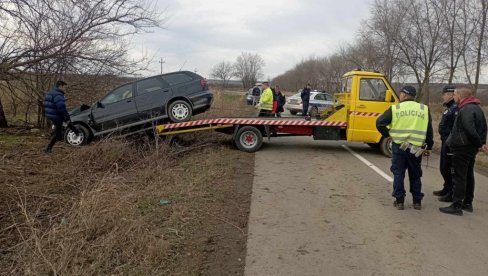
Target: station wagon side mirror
(100, 105)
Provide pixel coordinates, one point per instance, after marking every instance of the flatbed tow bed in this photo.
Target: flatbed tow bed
(248, 133)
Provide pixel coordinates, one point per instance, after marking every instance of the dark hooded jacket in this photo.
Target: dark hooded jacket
(54, 106)
(469, 129)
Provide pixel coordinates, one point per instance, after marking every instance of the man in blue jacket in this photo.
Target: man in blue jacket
(55, 110)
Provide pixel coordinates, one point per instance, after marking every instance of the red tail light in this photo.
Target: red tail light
(203, 83)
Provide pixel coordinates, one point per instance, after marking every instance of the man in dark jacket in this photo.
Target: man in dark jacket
(468, 136)
(55, 110)
(445, 127)
(305, 95)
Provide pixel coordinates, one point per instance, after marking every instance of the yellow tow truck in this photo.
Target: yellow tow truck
(364, 96)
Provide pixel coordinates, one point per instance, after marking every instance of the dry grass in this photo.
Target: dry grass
(96, 210)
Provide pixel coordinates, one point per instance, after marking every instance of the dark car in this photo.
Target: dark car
(138, 105)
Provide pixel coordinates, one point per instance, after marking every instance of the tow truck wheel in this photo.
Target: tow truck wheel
(385, 146)
(248, 139)
(83, 138)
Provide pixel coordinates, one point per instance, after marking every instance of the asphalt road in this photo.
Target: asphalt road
(318, 210)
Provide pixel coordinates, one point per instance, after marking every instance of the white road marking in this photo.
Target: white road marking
(369, 164)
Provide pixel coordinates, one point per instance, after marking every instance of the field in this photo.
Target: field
(125, 206)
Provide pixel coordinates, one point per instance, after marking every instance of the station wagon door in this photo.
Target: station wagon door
(117, 109)
(152, 96)
(374, 97)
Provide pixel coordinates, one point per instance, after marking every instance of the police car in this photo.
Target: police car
(319, 100)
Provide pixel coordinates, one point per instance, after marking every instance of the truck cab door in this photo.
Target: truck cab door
(374, 97)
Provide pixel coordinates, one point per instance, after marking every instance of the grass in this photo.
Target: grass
(96, 210)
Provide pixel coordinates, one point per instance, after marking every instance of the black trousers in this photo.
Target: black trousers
(265, 113)
(56, 135)
(463, 174)
(446, 167)
(305, 108)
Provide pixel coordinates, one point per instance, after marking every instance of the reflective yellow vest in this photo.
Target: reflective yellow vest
(409, 123)
(266, 100)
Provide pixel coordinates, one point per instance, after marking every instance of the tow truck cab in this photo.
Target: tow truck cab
(365, 96)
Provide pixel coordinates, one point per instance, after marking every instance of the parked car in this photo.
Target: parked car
(319, 100)
(137, 105)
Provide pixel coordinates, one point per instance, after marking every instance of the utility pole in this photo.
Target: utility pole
(162, 62)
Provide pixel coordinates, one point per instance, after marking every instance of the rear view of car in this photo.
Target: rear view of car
(294, 104)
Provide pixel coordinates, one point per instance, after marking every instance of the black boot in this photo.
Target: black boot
(467, 206)
(417, 204)
(398, 203)
(442, 192)
(446, 198)
(453, 209)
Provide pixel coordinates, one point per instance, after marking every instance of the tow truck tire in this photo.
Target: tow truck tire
(82, 139)
(248, 139)
(385, 146)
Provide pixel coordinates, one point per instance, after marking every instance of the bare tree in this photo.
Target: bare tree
(42, 40)
(248, 68)
(223, 71)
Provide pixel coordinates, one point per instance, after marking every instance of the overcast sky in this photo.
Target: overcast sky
(199, 34)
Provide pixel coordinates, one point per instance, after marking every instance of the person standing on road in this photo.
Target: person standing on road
(445, 127)
(410, 127)
(468, 136)
(305, 95)
(266, 101)
(55, 110)
(281, 100)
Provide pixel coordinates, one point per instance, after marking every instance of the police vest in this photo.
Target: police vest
(409, 123)
(266, 100)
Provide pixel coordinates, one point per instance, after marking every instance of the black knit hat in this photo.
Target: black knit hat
(448, 88)
(409, 90)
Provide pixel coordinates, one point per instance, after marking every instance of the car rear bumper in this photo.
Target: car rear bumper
(294, 107)
(202, 101)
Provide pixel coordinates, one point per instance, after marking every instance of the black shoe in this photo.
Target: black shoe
(399, 204)
(440, 192)
(445, 198)
(417, 205)
(453, 209)
(48, 151)
(468, 207)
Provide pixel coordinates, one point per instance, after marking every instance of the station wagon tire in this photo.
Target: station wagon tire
(293, 112)
(314, 112)
(248, 139)
(385, 146)
(82, 139)
(179, 111)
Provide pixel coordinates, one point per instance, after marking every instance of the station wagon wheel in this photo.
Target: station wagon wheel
(248, 139)
(179, 111)
(83, 138)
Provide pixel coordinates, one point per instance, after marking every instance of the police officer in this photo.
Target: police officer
(445, 127)
(305, 96)
(410, 126)
(266, 101)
